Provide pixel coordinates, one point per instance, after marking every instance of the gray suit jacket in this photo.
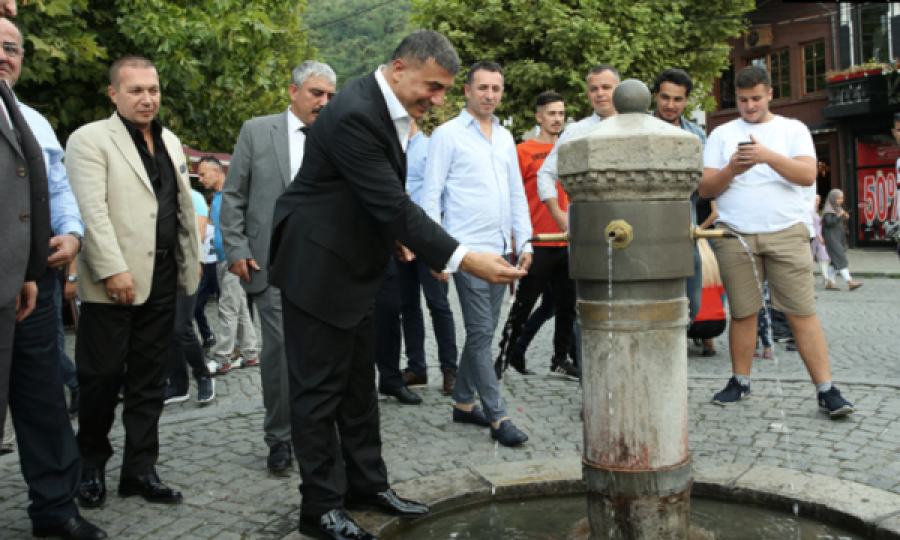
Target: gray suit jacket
(25, 218)
(259, 172)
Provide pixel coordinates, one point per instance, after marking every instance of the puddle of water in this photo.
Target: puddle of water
(562, 519)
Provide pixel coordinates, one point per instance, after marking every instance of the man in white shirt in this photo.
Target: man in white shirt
(266, 158)
(472, 168)
(759, 167)
(602, 81)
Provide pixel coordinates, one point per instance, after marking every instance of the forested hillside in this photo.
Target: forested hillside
(356, 36)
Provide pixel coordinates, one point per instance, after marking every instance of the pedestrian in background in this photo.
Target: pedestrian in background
(833, 218)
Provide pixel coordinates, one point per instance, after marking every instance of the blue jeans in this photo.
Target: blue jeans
(70, 376)
(481, 303)
(415, 276)
(209, 284)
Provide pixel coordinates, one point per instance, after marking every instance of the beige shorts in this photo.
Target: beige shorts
(782, 257)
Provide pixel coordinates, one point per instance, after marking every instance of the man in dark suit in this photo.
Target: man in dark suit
(334, 230)
(30, 374)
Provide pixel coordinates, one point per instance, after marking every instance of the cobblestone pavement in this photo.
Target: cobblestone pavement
(216, 455)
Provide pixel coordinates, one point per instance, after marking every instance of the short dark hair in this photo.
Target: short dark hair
(547, 98)
(422, 45)
(127, 61)
(752, 76)
(675, 76)
(600, 68)
(214, 160)
(485, 65)
(896, 118)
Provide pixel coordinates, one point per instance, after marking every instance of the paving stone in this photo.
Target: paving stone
(216, 454)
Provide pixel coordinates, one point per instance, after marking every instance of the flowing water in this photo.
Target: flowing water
(783, 426)
(563, 519)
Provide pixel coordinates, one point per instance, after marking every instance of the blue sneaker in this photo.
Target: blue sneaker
(834, 404)
(733, 392)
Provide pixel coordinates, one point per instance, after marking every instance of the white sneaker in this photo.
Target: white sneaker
(238, 363)
(213, 367)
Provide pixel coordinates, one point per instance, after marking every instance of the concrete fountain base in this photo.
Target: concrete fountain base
(856, 507)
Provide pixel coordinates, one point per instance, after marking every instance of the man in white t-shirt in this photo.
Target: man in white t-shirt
(759, 167)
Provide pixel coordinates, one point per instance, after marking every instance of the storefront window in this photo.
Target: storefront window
(814, 67)
(874, 21)
(778, 64)
(726, 89)
(876, 176)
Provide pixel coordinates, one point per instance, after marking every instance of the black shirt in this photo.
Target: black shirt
(162, 175)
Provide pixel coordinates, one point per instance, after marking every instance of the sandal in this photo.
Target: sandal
(832, 287)
(767, 354)
(708, 351)
(756, 353)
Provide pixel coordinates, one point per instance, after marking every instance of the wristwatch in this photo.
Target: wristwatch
(72, 278)
(78, 237)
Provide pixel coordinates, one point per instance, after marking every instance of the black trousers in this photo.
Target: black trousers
(127, 344)
(335, 425)
(388, 334)
(185, 349)
(549, 264)
(48, 453)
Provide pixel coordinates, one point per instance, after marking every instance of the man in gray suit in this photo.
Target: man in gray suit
(268, 154)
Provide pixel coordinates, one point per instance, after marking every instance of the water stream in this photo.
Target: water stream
(783, 427)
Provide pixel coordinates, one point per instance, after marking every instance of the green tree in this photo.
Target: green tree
(552, 44)
(220, 62)
(356, 36)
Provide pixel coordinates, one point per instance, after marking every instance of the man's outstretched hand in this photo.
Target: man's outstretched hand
(490, 267)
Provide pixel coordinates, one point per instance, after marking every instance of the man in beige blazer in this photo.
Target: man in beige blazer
(141, 246)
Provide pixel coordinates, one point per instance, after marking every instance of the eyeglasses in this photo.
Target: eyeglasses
(13, 50)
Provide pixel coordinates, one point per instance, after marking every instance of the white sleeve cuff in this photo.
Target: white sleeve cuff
(456, 259)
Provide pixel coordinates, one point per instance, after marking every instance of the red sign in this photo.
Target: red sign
(877, 154)
(878, 209)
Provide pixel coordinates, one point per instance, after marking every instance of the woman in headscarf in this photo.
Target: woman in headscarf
(833, 218)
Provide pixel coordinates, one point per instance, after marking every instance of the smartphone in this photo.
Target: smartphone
(744, 143)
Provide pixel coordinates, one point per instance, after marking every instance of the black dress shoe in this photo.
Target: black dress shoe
(404, 395)
(150, 488)
(92, 489)
(508, 434)
(279, 457)
(388, 502)
(74, 402)
(475, 416)
(332, 525)
(77, 528)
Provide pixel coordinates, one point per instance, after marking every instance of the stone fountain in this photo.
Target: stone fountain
(630, 242)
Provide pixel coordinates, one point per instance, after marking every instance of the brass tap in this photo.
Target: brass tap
(697, 232)
(550, 237)
(619, 233)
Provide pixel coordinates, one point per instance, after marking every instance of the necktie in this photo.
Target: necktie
(36, 172)
(305, 130)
